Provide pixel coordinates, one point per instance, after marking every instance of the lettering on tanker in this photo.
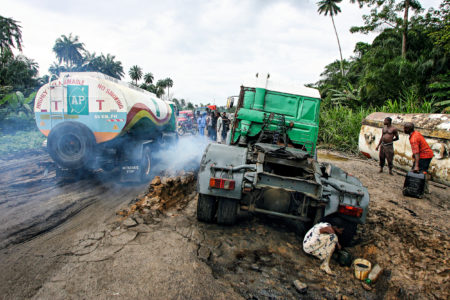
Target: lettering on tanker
(56, 104)
(73, 81)
(41, 98)
(78, 100)
(100, 103)
(114, 96)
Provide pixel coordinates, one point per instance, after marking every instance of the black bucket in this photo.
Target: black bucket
(414, 185)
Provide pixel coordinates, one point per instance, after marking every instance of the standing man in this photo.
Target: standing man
(422, 153)
(225, 127)
(201, 122)
(388, 137)
(214, 117)
(208, 125)
(219, 129)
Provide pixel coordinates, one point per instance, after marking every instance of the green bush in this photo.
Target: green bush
(340, 126)
(20, 140)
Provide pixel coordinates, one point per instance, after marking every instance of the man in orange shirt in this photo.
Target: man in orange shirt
(422, 153)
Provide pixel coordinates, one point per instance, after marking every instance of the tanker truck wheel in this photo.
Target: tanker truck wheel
(146, 164)
(227, 211)
(206, 208)
(71, 145)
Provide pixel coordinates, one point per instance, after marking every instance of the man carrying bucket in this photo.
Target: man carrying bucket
(320, 241)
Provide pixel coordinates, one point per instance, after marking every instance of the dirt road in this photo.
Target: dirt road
(158, 250)
(34, 204)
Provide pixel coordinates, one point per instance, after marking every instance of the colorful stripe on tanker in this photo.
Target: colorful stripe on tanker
(140, 110)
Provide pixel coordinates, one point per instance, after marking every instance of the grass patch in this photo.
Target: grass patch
(339, 127)
(20, 140)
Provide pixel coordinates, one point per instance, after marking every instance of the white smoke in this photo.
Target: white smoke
(183, 155)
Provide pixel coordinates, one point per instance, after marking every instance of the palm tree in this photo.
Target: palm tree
(69, 49)
(10, 35)
(330, 7)
(169, 84)
(135, 73)
(111, 67)
(148, 78)
(56, 69)
(160, 86)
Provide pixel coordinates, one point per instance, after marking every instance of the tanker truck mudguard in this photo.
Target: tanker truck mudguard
(95, 121)
(269, 165)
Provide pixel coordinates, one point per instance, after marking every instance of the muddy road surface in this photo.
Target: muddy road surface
(151, 246)
(39, 216)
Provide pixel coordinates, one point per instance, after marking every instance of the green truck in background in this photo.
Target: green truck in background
(265, 111)
(270, 166)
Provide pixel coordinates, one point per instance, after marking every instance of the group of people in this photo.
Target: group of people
(323, 238)
(422, 153)
(215, 125)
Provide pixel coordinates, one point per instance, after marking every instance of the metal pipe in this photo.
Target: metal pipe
(273, 213)
(235, 169)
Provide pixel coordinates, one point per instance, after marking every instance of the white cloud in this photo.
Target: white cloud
(206, 47)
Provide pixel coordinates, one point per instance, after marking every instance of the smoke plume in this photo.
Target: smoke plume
(185, 155)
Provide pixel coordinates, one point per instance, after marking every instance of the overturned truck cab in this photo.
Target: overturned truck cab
(269, 166)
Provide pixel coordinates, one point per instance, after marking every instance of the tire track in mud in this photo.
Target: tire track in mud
(41, 217)
(34, 202)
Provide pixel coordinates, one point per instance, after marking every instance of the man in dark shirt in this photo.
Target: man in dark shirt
(214, 117)
(388, 137)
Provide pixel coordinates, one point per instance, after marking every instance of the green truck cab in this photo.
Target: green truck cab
(269, 165)
(260, 110)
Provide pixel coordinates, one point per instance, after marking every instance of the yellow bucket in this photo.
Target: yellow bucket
(362, 268)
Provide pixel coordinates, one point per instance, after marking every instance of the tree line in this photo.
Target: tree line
(407, 61)
(404, 70)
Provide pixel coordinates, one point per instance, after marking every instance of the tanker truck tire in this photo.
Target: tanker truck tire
(227, 211)
(146, 165)
(206, 208)
(71, 145)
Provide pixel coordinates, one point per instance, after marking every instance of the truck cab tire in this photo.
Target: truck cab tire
(298, 227)
(227, 211)
(206, 208)
(71, 145)
(349, 229)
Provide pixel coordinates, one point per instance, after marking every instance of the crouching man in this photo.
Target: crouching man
(320, 241)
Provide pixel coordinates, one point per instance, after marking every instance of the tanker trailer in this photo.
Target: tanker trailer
(95, 121)
(434, 127)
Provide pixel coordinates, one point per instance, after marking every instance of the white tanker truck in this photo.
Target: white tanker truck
(96, 121)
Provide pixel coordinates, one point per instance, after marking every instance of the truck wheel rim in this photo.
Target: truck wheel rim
(70, 145)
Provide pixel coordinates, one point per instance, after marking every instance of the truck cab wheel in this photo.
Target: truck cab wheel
(298, 227)
(206, 208)
(227, 211)
(349, 229)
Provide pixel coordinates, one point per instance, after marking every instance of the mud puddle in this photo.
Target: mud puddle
(330, 156)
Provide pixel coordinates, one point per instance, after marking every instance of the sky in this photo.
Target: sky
(208, 48)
